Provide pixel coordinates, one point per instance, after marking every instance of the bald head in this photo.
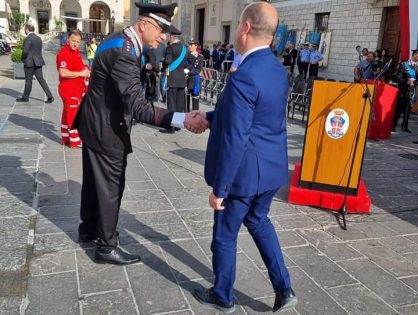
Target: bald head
(263, 19)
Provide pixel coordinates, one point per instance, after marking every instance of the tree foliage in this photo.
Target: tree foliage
(17, 20)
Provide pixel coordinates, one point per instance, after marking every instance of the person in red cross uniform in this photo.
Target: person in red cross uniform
(73, 75)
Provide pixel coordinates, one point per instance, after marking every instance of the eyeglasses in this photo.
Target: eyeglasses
(157, 27)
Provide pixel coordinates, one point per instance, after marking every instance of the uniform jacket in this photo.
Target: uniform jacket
(194, 65)
(247, 151)
(216, 58)
(32, 51)
(402, 76)
(176, 78)
(115, 96)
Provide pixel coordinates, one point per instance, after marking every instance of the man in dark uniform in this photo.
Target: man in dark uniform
(216, 57)
(149, 72)
(206, 55)
(115, 96)
(194, 65)
(406, 77)
(175, 59)
(294, 54)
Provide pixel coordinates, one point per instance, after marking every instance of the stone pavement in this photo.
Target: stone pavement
(370, 269)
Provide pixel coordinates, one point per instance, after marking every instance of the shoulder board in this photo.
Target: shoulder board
(117, 42)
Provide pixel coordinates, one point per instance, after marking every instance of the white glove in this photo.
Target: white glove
(186, 71)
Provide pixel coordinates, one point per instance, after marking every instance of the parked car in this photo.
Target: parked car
(8, 39)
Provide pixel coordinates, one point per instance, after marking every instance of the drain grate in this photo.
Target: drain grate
(409, 156)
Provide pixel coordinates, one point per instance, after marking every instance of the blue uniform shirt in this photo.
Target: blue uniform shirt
(314, 57)
(304, 55)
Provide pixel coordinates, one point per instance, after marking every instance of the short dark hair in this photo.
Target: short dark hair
(30, 27)
(74, 32)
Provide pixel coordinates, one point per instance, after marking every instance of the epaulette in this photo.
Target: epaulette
(121, 42)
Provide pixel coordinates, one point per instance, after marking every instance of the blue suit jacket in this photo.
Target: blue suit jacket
(247, 147)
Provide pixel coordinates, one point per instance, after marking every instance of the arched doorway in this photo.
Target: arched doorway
(40, 15)
(100, 11)
(70, 14)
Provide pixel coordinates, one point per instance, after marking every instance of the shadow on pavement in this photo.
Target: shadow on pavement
(43, 127)
(70, 227)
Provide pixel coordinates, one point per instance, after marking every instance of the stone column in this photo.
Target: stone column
(85, 14)
(55, 14)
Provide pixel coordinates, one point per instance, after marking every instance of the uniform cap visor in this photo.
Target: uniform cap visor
(173, 30)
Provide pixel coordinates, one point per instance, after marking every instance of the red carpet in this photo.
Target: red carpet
(327, 200)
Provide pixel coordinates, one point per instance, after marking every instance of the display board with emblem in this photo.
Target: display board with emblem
(333, 123)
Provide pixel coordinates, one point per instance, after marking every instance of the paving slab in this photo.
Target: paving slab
(382, 283)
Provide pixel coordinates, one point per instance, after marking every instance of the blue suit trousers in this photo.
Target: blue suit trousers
(252, 211)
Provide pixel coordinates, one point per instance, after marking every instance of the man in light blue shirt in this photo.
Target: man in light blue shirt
(235, 63)
(314, 57)
(304, 59)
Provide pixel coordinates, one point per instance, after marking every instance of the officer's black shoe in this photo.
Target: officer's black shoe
(285, 299)
(169, 130)
(415, 142)
(208, 297)
(407, 130)
(116, 256)
(22, 99)
(49, 100)
(177, 129)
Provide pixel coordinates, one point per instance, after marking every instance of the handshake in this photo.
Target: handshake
(196, 122)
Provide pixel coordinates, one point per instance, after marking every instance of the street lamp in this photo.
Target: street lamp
(113, 21)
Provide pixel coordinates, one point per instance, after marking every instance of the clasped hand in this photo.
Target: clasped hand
(196, 122)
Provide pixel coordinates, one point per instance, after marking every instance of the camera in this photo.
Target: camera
(376, 65)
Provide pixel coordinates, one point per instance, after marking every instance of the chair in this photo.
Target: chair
(299, 96)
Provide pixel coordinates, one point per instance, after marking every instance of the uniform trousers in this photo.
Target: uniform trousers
(71, 94)
(194, 100)
(402, 108)
(304, 67)
(252, 211)
(176, 99)
(101, 196)
(313, 70)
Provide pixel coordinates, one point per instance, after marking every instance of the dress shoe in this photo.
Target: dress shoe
(170, 130)
(116, 256)
(415, 142)
(208, 297)
(285, 299)
(177, 129)
(406, 130)
(22, 99)
(49, 100)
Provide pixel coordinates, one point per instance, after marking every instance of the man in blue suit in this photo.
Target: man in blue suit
(246, 160)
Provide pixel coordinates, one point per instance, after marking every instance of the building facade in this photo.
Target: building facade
(373, 24)
(215, 20)
(90, 16)
(368, 23)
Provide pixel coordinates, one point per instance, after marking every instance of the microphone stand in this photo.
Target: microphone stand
(366, 97)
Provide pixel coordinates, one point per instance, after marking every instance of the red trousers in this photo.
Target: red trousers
(71, 94)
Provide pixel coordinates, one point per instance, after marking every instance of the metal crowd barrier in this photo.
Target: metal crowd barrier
(213, 83)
